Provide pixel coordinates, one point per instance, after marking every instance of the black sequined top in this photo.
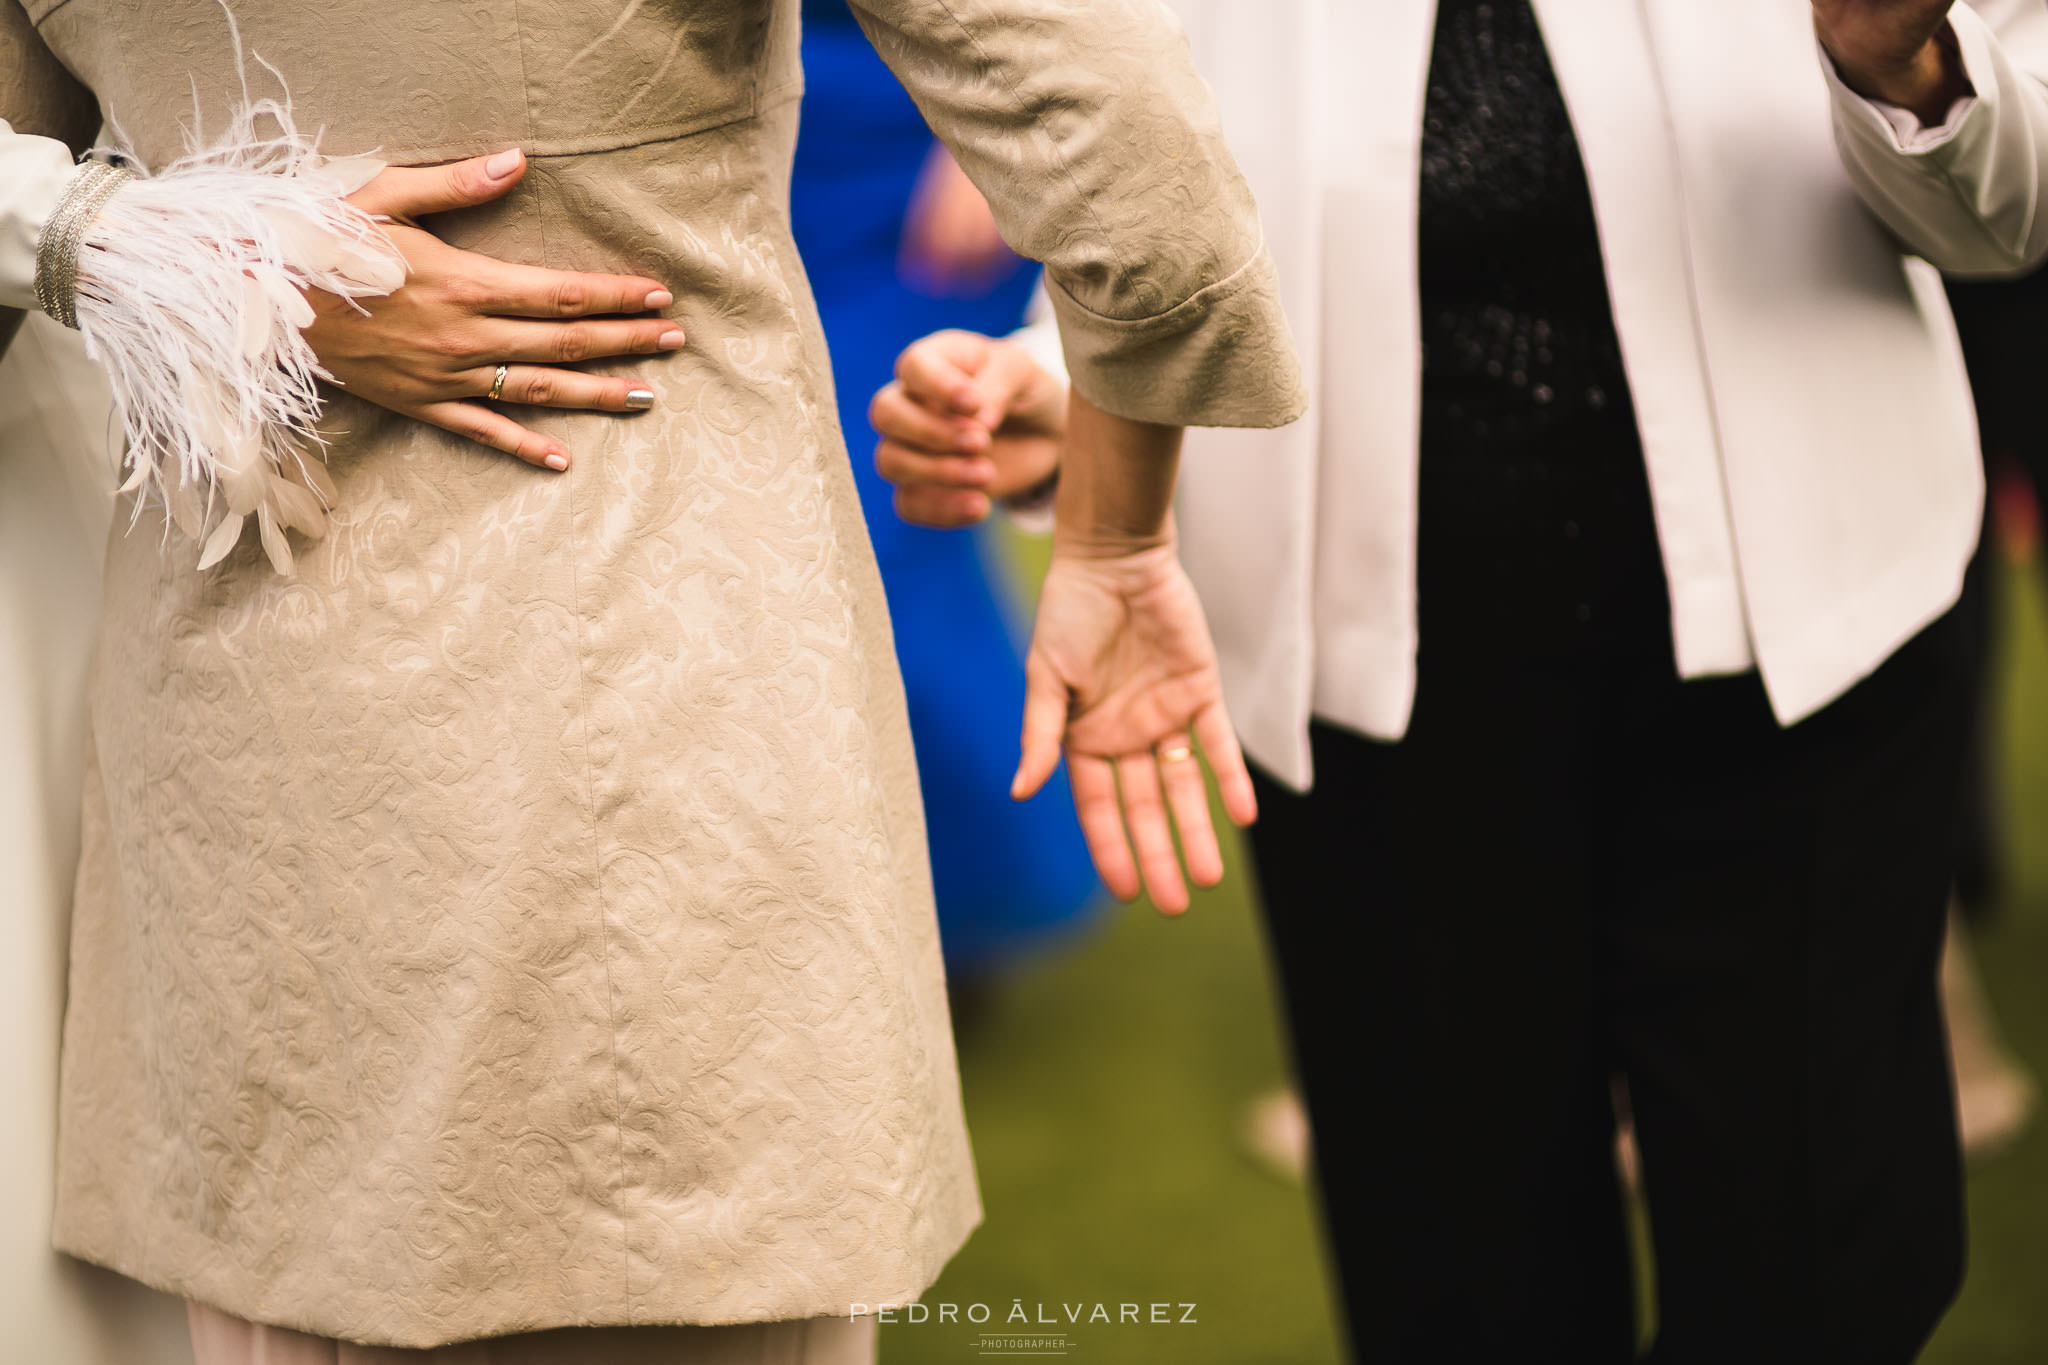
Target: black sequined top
(1518, 335)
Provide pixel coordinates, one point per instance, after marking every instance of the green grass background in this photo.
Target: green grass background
(1105, 1090)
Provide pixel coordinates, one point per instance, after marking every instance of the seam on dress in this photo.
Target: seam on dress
(591, 144)
(581, 144)
(604, 942)
(756, 87)
(1066, 171)
(36, 20)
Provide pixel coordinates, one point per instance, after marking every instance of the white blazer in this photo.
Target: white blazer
(1810, 441)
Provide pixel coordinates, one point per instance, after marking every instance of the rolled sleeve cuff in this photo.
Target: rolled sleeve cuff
(1223, 357)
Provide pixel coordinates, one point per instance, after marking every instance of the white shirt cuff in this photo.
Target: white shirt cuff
(1040, 338)
(1915, 136)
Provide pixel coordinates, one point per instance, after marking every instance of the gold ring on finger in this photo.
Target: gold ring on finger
(497, 384)
(1178, 753)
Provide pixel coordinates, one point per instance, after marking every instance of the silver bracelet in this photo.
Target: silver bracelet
(64, 236)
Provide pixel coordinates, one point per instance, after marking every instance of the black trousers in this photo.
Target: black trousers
(1575, 865)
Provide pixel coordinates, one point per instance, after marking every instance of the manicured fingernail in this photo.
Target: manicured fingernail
(558, 461)
(660, 298)
(979, 471)
(670, 340)
(503, 164)
(639, 400)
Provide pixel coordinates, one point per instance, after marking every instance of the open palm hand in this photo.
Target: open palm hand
(1123, 670)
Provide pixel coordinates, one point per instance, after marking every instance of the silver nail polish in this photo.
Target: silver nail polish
(639, 400)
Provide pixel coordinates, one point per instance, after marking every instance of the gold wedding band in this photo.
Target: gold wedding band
(497, 384)
(1176, 754)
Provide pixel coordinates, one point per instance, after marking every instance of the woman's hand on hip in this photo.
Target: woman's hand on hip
(968, 420)
(432, 349)
(1892, 50)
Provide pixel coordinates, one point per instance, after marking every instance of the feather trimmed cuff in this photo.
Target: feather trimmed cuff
(188, 286)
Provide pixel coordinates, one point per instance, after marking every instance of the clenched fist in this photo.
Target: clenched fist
(969, 419)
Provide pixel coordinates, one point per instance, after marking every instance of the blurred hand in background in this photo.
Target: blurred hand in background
(968, 422)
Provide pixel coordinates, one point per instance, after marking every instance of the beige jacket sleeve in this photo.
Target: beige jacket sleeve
(44, 116)
(1968, 195)
(1101, 153)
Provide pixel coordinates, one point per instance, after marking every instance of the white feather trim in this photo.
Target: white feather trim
(190, 294)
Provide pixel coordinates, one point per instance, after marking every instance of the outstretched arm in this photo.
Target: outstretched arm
(1101, 154)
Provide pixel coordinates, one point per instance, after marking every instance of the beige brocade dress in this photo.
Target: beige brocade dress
(519, 918)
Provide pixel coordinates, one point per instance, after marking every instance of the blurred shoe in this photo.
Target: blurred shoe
(1995, 1096)
(1276, 1134)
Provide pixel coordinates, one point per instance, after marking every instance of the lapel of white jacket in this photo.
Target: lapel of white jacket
(1616, 86)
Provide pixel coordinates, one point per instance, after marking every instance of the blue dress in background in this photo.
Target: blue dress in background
(1008, 876)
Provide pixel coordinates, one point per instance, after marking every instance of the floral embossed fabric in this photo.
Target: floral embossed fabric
(520, 917)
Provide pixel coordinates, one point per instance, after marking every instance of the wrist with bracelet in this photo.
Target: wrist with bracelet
(63, 237)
